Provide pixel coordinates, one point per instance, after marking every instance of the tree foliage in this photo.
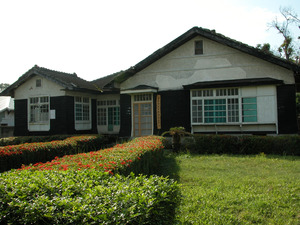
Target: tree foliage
(288, 48)
(3, 86)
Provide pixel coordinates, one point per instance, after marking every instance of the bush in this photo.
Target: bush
(14, 156)
(85, 197)
(225, 144)
(79, 189)
(140, 155)
(31, 139)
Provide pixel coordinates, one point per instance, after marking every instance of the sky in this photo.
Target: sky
(95, 38)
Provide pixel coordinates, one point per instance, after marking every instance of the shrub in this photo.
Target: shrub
(13, 156)
(225, 144)
(141, 155)
(85, 197)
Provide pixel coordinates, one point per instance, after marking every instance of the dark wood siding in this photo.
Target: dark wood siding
(286, 103)
(64, 110)
(175, 110)
(94, 116)
(125, 115)
(21, 128)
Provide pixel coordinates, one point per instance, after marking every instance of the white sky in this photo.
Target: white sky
(95, 38)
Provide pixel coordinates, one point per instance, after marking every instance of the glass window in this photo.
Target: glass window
(249, 107)
(39, 109)
(82, 109)
(198, 47)
(223, 105)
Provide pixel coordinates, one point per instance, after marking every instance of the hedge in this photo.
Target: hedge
(14, 156)
(245, 145)
(83, 191)
(140, 155)
(85, 197)
(31, 139)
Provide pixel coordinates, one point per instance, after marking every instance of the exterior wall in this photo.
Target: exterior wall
(287, 120)
(125, 115)
(29, 89)
(63, 123)
(175, 110)
(7, 118)
(219, 62)
(21, 118)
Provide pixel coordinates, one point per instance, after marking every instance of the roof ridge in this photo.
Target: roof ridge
(51, 70)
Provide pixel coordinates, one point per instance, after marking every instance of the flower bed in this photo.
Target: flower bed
(134, 156)
(77, 190)
(13, 156)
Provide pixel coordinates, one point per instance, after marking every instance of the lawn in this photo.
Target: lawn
(223, 189)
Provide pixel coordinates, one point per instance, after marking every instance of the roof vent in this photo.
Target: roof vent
(74, 85)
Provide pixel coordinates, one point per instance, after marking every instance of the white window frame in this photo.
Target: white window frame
(217, 94)
(38, 114)
(104, 105)
(83, 105)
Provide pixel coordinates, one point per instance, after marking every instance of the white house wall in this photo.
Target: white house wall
(29, 89)
(219, 62)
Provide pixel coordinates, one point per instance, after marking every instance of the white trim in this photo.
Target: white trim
(149, 90)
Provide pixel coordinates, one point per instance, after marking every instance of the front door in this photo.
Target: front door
(142, 119)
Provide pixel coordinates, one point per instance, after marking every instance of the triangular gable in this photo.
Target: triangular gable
(67, 80)
(212, 35)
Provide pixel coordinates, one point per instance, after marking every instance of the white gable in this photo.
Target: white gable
(218, 62)
(29, 88)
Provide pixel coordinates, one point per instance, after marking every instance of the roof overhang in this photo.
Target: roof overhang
(140, 89)
(234, 83)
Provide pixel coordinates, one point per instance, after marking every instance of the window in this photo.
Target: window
(198, 47)
(108, 112)
(39, 109)
(223, 105)
(142, 97)
(38, 83)
(249, 110)
(82, 109)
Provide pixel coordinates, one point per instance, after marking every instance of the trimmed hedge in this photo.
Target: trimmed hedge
(140, 155)
(14, 156)
(31, 139)
(245, 145)
(84, 194)
(85, 197)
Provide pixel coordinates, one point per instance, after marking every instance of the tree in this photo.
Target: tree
(266, 48)
(3, 86)
(287, 49)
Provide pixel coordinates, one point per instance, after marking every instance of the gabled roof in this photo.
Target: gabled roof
(67, 80)
(6, 103)
(212, 35)
(106, 83)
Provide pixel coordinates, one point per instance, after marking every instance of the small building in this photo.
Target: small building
(6, 116)
(202, 80)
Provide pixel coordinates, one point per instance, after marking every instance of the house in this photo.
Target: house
(202, 80)
(6, 116)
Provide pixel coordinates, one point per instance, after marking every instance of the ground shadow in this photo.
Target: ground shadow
(168, 166)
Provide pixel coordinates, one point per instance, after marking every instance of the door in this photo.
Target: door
(142, 119)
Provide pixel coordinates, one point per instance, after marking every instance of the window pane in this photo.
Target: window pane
(249, 109)
(199, 48)
(233, 110)
(197, 111)
(215, 111)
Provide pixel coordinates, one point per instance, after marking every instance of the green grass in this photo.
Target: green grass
(222, 189)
